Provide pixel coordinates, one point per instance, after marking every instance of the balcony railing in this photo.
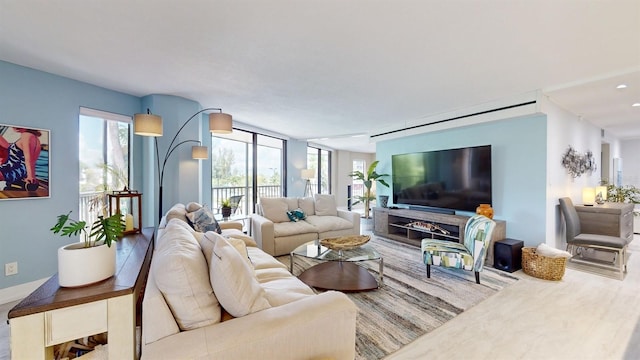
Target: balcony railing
(225, 192)
(218, 194)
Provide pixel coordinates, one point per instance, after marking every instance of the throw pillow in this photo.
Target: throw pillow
(177, 211)
(275, 209)
(182, 278)
(234, 281)
(298, 213)
(248, 240)
(325, 205)
(203, 220)
(292, 216)
(193, 206)
(208, 240)
(306, 204)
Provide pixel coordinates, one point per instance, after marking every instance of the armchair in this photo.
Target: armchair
(577, 240)
(469, 255)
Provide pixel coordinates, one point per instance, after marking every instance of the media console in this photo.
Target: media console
(411, 226)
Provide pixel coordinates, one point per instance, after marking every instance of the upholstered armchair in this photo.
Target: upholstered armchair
(469, 255)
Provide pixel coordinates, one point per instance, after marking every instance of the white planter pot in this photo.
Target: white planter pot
(80, 266)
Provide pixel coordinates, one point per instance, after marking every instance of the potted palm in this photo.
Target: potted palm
(368, 180)
(93, 259)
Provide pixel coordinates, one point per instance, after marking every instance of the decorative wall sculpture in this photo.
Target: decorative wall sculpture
(578, 164)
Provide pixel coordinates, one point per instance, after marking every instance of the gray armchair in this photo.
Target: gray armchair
(577, 240)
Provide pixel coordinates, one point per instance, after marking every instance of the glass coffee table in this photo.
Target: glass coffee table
(339, 269)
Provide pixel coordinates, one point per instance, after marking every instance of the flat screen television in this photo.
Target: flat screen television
(452, 179)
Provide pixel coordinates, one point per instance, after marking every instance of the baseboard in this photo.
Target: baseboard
(18, 292)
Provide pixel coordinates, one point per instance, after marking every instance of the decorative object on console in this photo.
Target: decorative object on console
(94, 259)
(132, 224)
(578, 164)
(429, 227)
(368, 179)
(151, 125)
(622, 194)
(486, 210)
(384, 200)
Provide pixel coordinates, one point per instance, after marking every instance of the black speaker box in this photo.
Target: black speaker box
(507, 255)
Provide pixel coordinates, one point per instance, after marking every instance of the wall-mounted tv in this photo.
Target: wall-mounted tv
(453, 179)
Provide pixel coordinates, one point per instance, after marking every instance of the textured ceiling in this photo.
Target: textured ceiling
(332, 69)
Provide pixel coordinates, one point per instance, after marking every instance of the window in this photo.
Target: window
(104, 159)
(245, 166)
(320, 159)
(358, 185)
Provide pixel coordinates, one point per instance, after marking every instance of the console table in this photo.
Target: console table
(53, 315)
(610, 218)
(396, 224)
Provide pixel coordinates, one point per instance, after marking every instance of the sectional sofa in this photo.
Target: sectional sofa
(219, 296)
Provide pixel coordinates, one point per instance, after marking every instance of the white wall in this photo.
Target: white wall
(343, 165)
(629, 150)
(565, 129)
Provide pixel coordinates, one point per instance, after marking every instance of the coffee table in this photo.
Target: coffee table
(339, 269)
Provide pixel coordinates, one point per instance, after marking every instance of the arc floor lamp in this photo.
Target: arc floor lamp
(151, 125)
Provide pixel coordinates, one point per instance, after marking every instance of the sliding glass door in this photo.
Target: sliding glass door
(245, 166)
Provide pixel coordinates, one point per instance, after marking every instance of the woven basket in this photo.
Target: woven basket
(542, 267)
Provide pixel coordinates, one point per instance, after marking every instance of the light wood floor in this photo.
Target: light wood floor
(584, 316)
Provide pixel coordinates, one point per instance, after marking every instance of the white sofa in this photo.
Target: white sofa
(191, 277)
(277, 234)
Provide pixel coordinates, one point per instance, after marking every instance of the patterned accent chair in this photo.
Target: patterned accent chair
(469, 255)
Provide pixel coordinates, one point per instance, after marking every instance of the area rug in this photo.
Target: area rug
(409, 305)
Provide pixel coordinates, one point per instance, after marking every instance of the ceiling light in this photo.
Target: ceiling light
(621, 86)
(635, 104)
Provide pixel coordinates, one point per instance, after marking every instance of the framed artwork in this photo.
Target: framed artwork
(24, 162)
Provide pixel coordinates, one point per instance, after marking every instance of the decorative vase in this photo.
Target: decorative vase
(80, 266)
(486, 210)
(384, 200)
(226, 212)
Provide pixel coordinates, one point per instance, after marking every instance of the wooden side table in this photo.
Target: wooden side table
(53, 315)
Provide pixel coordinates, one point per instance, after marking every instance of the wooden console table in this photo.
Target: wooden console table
(53, 315)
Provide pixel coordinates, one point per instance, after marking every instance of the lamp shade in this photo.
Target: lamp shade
(220, 123)
(589, 195)
(307, 173)
(199, 152)
(147, 125)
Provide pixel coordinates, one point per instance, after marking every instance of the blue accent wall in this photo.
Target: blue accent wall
(519, 167)
(37, 99)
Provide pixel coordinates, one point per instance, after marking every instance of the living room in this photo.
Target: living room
(528, 143)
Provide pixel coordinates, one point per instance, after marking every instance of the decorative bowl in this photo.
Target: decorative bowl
(345, 242)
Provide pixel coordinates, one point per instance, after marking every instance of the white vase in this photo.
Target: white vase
(80, 266)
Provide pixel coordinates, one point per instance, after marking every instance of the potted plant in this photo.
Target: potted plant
(625, 194)
(225, 206)
(93, 259)
(368, 179)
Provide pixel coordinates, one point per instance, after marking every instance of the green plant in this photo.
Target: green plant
(226, 203)
(107, 229)
(368, 180)
(626, 194)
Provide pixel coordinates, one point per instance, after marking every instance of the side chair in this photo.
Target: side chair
(577, 240)
(469, 255)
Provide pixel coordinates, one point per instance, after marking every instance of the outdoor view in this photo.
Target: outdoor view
(232, 164)
(104, 163)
